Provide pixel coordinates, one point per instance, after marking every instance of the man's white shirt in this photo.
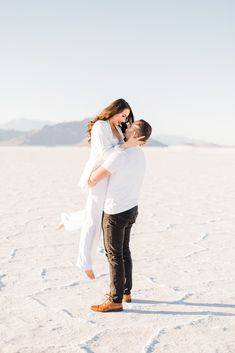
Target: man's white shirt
(127, 170)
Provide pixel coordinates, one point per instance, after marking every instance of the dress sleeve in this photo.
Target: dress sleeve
(101, 139)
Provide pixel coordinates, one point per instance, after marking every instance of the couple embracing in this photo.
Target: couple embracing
(113, 176)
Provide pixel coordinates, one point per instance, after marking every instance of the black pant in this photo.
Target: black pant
(116, 230)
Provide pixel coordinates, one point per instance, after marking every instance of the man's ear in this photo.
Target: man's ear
(135, 134)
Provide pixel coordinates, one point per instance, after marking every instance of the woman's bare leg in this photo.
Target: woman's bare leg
(90, 274)
(60, 226)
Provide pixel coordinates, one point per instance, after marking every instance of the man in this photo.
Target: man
(126, 168)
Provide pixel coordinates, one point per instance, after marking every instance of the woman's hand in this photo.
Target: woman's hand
(133, 142)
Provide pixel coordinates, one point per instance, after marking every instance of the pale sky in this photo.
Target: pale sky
(173, 61)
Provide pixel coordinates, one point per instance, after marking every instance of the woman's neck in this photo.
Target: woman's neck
(115, 131)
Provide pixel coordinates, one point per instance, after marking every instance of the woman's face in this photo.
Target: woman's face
(119, 118)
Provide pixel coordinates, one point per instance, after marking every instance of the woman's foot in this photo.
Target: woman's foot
(90, 274)
(60, 226)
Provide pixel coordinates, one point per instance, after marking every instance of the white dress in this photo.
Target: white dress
(88, 220)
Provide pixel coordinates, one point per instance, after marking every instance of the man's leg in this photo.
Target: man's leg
(127, 262)
(127, 253)
(114, 234)
(113, 231)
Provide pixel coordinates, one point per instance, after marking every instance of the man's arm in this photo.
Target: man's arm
(110, 166)
(97, 175)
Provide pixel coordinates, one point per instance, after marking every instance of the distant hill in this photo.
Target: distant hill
(59, 134)
(25, 124)
(171, 140)
(55, 135)
(155, 143)
(71, 133)
(6, 135)
(75, 133)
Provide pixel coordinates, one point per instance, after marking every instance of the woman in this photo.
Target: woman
(105, 133)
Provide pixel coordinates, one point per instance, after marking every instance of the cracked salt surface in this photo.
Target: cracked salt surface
(182, 247)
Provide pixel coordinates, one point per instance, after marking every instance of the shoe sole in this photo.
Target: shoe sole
(114, 310)
(108, 311)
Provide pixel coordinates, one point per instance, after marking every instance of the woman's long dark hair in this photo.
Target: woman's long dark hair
(114, 108)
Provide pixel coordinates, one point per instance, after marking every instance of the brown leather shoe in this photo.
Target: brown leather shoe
(126, 298)
(107, 306)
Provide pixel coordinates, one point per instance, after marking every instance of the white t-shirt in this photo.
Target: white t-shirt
(127, 168)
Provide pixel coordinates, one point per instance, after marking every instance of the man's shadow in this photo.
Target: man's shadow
(181, 302)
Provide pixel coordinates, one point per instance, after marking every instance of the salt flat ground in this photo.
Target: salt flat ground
(182, 247)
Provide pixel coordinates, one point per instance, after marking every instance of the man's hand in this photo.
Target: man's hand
(91, 181)
(97, 175)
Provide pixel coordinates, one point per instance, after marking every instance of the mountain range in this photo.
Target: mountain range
(44, 133)
(25, 125)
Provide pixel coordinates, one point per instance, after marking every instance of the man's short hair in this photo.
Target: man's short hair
(145, 129)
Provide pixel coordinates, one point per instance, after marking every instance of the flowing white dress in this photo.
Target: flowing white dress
(103, 143)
